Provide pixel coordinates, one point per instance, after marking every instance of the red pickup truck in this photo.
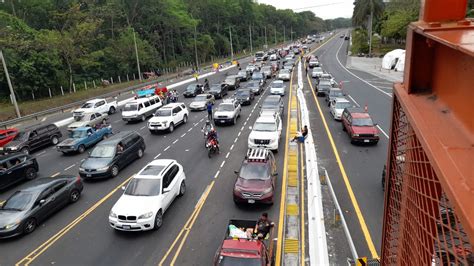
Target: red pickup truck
(236, 250)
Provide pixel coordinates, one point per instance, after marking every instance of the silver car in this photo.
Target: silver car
(88, 120)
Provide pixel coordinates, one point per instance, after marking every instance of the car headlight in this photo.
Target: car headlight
(13, 148)
(146, 215)
(268, 190)
(355, 135)
(81, 169)
(103, 168)
(12, 225)
(237, 189)
(251, 139)
(376, 134)
(112, 214)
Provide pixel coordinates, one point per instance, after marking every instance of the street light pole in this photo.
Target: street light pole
(275, 35)
(266, 44)
(284, 34)
(231, 48)
(136, 55)
(250, 33)
(291, 33)
(195, 46)
(370, 26)
(12, 93)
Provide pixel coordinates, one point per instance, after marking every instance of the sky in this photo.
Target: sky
(324, 9)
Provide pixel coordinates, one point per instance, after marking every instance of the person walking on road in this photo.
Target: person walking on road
(209, 111)
(306, 68)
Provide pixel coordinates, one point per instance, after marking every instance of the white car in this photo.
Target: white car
(147, 196)
(337, 106)
(227, 112)
(88, 120)
(277, 87)
(284, 74)
(95, 106)
(200, 102)
(251, 68)
(273, 57)
(328, 77)
(317, 72)
(168, 117)
(266, 132)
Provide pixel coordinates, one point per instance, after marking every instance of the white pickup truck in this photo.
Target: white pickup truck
(96, 106)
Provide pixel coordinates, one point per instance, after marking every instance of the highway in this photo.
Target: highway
(195, 224)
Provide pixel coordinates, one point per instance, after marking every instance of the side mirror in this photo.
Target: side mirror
(166, 190)
(41, 202)
(275, 174)
(236, 172)
(376, 124)
(123, 187)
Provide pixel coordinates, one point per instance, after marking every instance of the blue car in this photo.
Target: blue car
(82, 138)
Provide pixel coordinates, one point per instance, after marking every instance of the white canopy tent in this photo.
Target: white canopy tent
(400, 66)
(391, 59)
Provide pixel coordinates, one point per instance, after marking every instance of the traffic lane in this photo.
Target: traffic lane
(363, 167)
(175, 215)
(211, 225)
(378, 103)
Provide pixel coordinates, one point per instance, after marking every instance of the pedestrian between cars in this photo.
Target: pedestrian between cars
(119, 148)
(301, 136)
(209, 111)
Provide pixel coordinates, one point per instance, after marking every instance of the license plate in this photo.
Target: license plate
(222, 121)
(126, 227)
(251, 201)
(366, 140)
(88, 175)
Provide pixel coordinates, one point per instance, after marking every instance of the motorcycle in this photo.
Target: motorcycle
(212, 147)
(205, 132)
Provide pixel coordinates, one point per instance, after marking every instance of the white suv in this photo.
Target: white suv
(168, 117)
(277, 87)
(227, 112)
(147, 196)
(266, 132)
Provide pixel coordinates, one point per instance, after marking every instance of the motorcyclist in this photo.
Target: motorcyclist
(207, 128)
(206, 84)
(212, 135)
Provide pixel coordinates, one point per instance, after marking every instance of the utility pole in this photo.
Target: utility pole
(231, 48)
(284, 34)
(291, 33)
(370, 26)
(266, 44)
(250, 33)
(12, 93)
(136, 55)
(195, 46)
(275, 31)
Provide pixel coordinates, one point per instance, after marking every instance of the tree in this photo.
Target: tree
(363, 9)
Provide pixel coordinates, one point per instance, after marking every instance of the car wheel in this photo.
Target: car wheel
(234, 121)
(114, 170)
(112, 110)
(140, 153)
(185, 119)
(25, 150)
(30, 226)
(171, 128)
(30, 173)
(143, 118)
(74, 196)
(158, 220)
(81, 149)
(182, 189)
(54, 140)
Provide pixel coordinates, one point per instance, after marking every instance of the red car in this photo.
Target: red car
(7, 135)
(256, 179)
(359, 126)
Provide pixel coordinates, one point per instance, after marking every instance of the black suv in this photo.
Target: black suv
(113, 154)
(34, 138)
(16, 167)
(219, 90)
(193, 89)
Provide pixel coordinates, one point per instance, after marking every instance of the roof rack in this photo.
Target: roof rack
(257, 154)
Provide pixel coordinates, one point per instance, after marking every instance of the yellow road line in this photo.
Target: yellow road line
(44, 246)
(283, 182)
(359, 214)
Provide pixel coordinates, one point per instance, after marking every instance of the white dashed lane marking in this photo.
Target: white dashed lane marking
(69, 167)
(157, 156)
(227, 155)
(222, 164)
(166, 148)
(174, 142)
(183, 135)
(232, 147)
(217, 173)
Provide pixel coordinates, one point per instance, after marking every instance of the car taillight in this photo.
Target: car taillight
(78, 180)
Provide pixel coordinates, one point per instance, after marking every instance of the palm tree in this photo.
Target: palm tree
(367, 8)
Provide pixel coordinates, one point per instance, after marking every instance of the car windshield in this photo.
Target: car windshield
(21, 136)
(265, 126)
(266, 68)
(317, 69)
(242, 73)
(257, 76)
(336, 93)
(200, 98)
(103, 151)
(362, 122)
(242, 93)
(252, 84)
(19, 201)
(277, 85)
(229, 80)
(215, 88)
(238, 261)
(130, 107)
(225, 107)
(191, 87)
(259, 54)
(342, 105)
(284, 71)
(77, 134)
(143, 187)
(258, 171)
(87, 105)
(163, 112)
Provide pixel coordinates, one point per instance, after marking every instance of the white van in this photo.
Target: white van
(141, 108)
